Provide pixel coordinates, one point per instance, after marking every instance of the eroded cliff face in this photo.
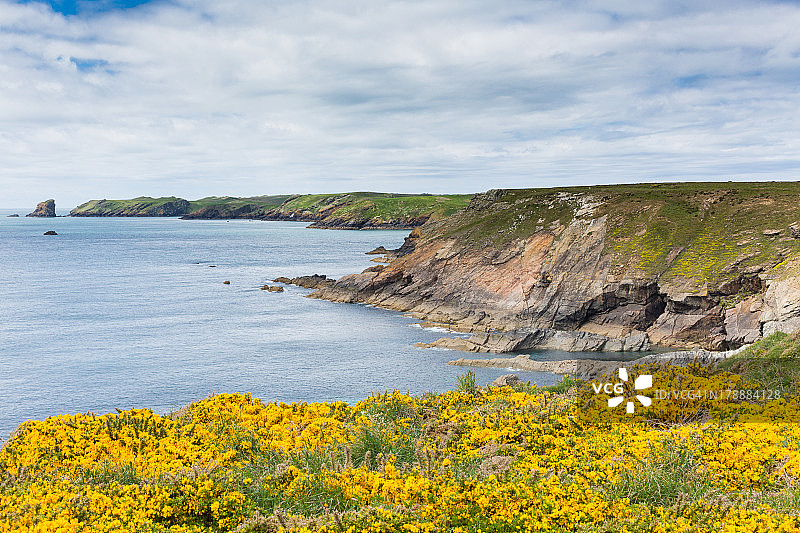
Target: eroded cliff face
(701, 265)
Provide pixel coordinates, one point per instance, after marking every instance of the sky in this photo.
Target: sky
(117, 99)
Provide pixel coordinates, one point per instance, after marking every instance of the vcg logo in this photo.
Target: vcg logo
(621, 390)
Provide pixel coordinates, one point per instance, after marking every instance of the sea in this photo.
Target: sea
(120, 313)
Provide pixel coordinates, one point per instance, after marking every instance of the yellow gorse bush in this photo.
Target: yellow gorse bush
(498, 460)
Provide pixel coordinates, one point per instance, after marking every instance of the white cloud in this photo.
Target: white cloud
(246, 97)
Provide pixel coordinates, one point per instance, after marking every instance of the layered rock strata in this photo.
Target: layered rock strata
(686, 265)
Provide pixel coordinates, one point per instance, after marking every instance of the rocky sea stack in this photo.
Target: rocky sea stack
(46, 209)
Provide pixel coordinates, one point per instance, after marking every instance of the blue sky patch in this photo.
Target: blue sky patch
(695, 81)
(89, 64)
(80, 7)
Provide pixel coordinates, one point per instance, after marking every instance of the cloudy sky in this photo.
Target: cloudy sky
(115, 99)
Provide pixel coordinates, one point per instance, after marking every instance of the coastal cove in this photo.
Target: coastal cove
(129, 312)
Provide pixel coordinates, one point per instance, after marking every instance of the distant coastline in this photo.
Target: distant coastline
(355, 210)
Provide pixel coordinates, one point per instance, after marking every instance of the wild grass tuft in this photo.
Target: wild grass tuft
(467, 383)
(563, 386)
(670, 472)
(773, 363)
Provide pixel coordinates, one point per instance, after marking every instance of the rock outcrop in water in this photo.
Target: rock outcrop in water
(272, 288)
(46, 209)
(711, 265)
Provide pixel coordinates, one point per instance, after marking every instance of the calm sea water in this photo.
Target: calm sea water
(128, 312)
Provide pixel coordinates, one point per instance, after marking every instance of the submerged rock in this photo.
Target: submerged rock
(46, 209)
(50, 232)
(13, 216)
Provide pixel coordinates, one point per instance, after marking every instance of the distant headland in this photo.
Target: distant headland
(354, 210)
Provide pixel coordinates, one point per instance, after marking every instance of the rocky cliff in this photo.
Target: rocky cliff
(710, 265)
(46, 209)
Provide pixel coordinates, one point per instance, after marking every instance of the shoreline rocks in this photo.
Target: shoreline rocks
(380, 250)
(545, 339)
(574, 367)
(315, 281)
(589, 368)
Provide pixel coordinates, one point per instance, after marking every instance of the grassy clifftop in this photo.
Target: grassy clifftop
(372, 209)
(267, 201)
(347, 210)
(702, 231)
